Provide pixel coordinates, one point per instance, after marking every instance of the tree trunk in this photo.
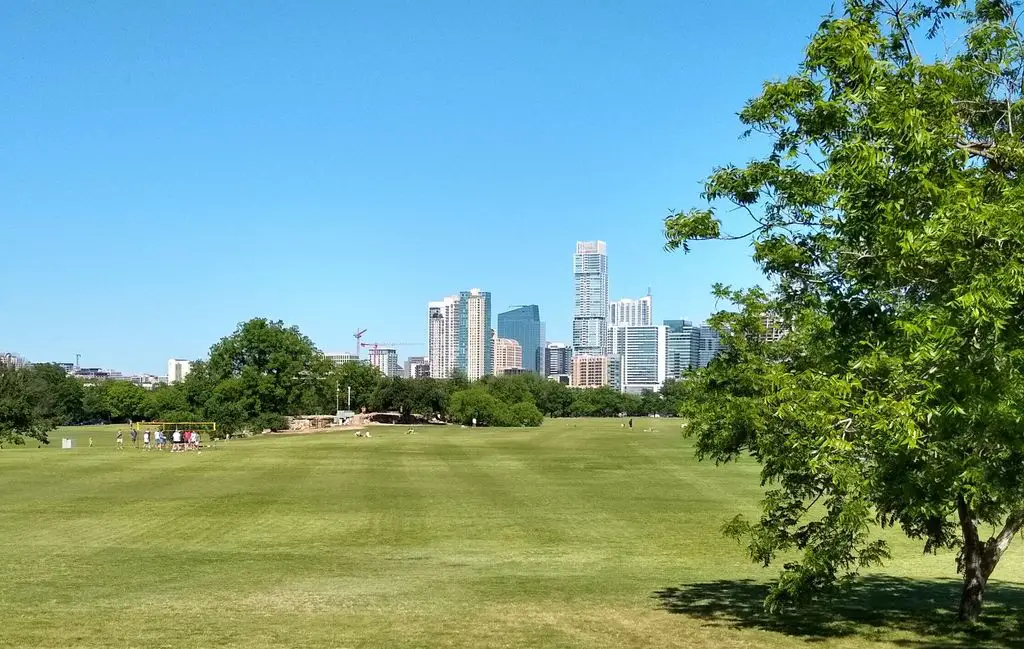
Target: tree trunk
(979, 559)
(975, 580)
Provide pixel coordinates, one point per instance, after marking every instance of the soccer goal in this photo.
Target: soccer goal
(208, 427)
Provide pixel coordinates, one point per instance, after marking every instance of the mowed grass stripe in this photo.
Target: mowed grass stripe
(549, 537)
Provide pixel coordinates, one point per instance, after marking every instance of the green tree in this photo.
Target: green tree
(476, 403)
(524, 413)
(363, 380)
(889, 215)
(597, 402)
(94, 402)
(57, 397)
(19, 416)
(125, 400)
(264, 367)
(168, 403)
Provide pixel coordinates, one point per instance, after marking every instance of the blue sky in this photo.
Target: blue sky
(171, 168)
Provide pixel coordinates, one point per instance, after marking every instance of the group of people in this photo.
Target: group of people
(186, 440)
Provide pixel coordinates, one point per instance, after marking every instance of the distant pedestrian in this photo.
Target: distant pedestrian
(145, 440)
(631, 423)
(135, 438)
(120, 440)
(91, 443)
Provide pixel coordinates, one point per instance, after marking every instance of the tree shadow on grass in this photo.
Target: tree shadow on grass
(914, 613)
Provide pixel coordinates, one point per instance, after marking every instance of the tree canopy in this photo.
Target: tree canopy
(21, 416)
(889, 216)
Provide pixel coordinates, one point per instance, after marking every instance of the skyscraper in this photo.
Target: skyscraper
(522, 324)
(631, 313)
(683, 345)
(643, 354)
(474, 353)
(443, 336)
(590, 311)
(710, 345)
(557, 359)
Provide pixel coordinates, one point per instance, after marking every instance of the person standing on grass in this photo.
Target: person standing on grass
(120, 440)
(145, 440)
(631, 424)
(176, 439)
(91, 443)
(135, 438)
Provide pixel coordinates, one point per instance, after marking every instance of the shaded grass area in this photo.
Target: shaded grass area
(877, 607)
(552, 537)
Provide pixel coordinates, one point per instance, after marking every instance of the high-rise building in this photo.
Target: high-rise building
(644, 356)
(474, 352)
(340, 358)
(631, 313)
(683, 345)
(7, 358)
(590, 371)
(522, 324)
(710, 345)
(557, 359)
(774, 327)
(385, 359)
(508, 355)
(590, 310)
(417, 367)
(443, 336)
(177, 370)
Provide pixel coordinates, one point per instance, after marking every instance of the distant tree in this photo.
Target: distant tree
(264, 367)
(889, 213)
(524, 413)
(94, 402)
(168, 403)
(553, 398)
(603, 402)
(479, 404)
(362, 378)
(19, 416)
(56, 397)
(125, 400)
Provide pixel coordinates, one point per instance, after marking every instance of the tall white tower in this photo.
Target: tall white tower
(590, 311)
(442, 336)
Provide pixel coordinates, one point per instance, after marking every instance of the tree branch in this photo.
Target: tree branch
(980, 149)
(999, 543)
(968, 525)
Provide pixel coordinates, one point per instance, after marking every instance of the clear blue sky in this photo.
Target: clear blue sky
(171, 168)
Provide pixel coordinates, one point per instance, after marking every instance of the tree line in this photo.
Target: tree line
(265, 371)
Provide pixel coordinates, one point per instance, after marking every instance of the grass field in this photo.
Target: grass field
(576, 534)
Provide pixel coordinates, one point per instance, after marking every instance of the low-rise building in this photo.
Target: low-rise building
(590, 371)
(508, 354)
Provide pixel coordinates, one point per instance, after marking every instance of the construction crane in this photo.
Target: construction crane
(358, 335)
(387, 345)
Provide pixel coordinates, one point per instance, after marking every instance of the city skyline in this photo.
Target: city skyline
(276, 187)
(453, 344)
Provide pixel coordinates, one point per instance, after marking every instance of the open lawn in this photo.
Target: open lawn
(576, 534)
